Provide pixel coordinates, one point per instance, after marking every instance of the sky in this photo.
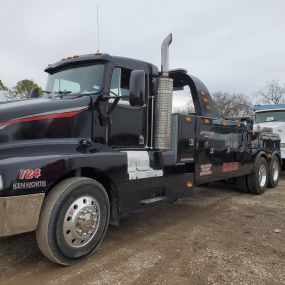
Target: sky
(231, 45)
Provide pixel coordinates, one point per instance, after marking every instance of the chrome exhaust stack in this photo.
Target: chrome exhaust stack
(163, 101)
(165, 55)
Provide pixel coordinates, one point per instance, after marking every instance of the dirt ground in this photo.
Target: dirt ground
(219, 236)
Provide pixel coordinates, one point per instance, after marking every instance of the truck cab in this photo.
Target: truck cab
(272, 118)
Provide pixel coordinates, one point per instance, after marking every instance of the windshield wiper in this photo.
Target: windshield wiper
(65, 92)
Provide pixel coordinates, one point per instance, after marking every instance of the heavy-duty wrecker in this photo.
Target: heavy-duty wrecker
(103, 142)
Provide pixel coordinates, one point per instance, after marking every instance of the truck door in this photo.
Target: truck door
(242, 154)
(128, 124)
(186, 139)
(238, 150)
(204, 166)
(223, 151)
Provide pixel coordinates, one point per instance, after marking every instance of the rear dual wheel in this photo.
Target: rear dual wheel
(274, 171)
(258, 181)
(73, 221)
(255, 183)
(266, 174)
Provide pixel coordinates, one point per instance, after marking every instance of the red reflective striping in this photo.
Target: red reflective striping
(43, 117)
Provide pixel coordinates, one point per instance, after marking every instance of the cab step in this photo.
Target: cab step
(153, 200)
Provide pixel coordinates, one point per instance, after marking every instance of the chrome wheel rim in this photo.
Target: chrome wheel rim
(275, 170)
(262, 175)
(81, 221)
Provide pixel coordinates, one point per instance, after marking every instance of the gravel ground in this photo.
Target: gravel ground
(219, 236)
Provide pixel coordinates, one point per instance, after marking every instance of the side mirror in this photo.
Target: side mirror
(137, 88)
(35, 93)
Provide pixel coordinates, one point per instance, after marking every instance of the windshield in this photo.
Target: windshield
(273, 116)
(82, 79)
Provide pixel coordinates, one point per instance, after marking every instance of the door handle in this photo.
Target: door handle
(191, 142)
(228, 149)
(211, 150)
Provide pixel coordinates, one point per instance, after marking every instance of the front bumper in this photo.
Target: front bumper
(20, 214)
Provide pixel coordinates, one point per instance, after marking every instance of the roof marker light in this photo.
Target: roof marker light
(189, 184)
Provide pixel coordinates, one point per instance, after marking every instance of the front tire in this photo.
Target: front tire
(73, 220)
(274, 172)
(258, 181)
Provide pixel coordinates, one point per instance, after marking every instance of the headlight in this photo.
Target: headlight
(1, 183)
(282, 145)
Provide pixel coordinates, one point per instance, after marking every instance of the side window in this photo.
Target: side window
(182, 101)
(120, 83)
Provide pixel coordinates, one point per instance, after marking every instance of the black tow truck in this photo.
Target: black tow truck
(103, 142)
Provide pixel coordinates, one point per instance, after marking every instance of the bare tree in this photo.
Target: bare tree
(232, 105)
(188, 108)
(272, 93)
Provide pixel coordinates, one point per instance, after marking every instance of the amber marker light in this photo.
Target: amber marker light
(189, 184)
(202, 93)
(206, 100)
(188, 119)
(207, 121)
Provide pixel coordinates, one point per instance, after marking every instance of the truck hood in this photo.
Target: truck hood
(42, 118)
(35, 107)
(274, 127)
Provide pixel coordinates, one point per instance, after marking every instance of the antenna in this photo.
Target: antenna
(98, 30)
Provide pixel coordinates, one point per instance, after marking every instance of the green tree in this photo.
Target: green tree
(24, 87)
(2, 86)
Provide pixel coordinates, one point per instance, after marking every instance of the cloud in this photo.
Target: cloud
(230, 45)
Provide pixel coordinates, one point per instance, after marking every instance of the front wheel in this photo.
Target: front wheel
(274, 171)
(73, 221)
